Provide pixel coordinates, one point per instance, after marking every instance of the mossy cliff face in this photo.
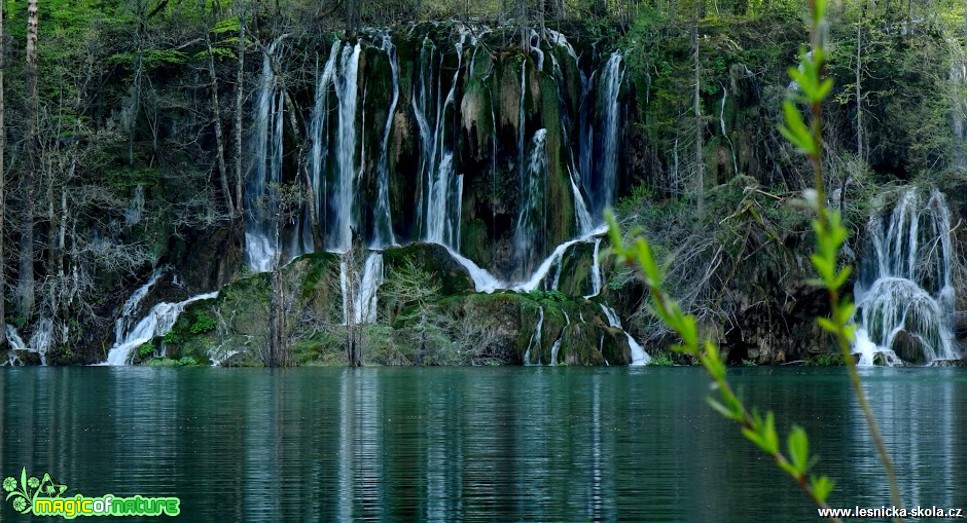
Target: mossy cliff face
(428, 314)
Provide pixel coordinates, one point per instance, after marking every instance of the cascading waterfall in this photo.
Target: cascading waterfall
(606, 141)
(362, 296)
(583, 217)
(383, 230)
(347, 169)
(556, 348)
(439, 208)
(42, 338)
(319, 145)
(14, 339)
(530, 216)
(638, 354)
(596, 278)
(343, 157)
(133, 302)
(905, 295)
(158, 322)
(266, 169)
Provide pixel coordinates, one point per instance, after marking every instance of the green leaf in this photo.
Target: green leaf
(722, 409)
(827, 325)
(822, 486)
(795, 129)
(798, 444)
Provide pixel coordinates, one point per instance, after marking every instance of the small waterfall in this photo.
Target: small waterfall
(132, 215)
(596, 278)
(133, 302)
(530, 216)
(556, 348)
(364, 292)
(483, 280)
(158, 322)
(638, 354)
(439, 207)
(383, 234)
(347, 169)
(904, 294)
(535, 340)
(42, 338)
(14, 339)
(266, 169)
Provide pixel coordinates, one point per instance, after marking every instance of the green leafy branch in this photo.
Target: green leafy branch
(828, 226)
(758, 429)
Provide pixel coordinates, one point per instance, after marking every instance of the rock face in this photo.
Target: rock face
(427, 313)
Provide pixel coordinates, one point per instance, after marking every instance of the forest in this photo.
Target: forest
(423, 182)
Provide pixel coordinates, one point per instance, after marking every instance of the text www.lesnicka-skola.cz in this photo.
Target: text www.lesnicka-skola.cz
(893, 512)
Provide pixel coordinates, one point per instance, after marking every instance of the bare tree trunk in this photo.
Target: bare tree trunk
(353, 21)
(136, 86)
(219, 135)
(699, 131)
(277, 338)
(25, 283)
(859, 94)
(522, 25)
(3, 201)
(239, 105)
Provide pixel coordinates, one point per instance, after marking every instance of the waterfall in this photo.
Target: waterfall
(596, 279)
(347, 169)
(638, 354)
(319, 145)
(265, 172)
(383, 230)
(158, 322)
(555, 349)
(531, 208)
(133, 302)
(905, 295)
(607, 140)
(363, 292)
(13, 338)
(582, 216)
(132, 215)
(535, 340)
(42, 338)
(440, 197)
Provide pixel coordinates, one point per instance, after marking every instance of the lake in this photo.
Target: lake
(473, 444)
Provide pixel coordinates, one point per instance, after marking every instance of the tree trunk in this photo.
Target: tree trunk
(859, 94)
(277, 349)
(699, 131)
(25, 284)
(239, 105)
(3, 201)
(219, 135)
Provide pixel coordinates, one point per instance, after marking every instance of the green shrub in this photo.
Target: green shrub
(204, 322)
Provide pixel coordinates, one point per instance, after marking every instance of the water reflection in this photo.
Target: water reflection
(532, 444)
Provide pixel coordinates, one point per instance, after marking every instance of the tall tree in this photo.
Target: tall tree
(3, 201)
(239, 106)
(210, 20)
(699, 123)
(25, 282)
